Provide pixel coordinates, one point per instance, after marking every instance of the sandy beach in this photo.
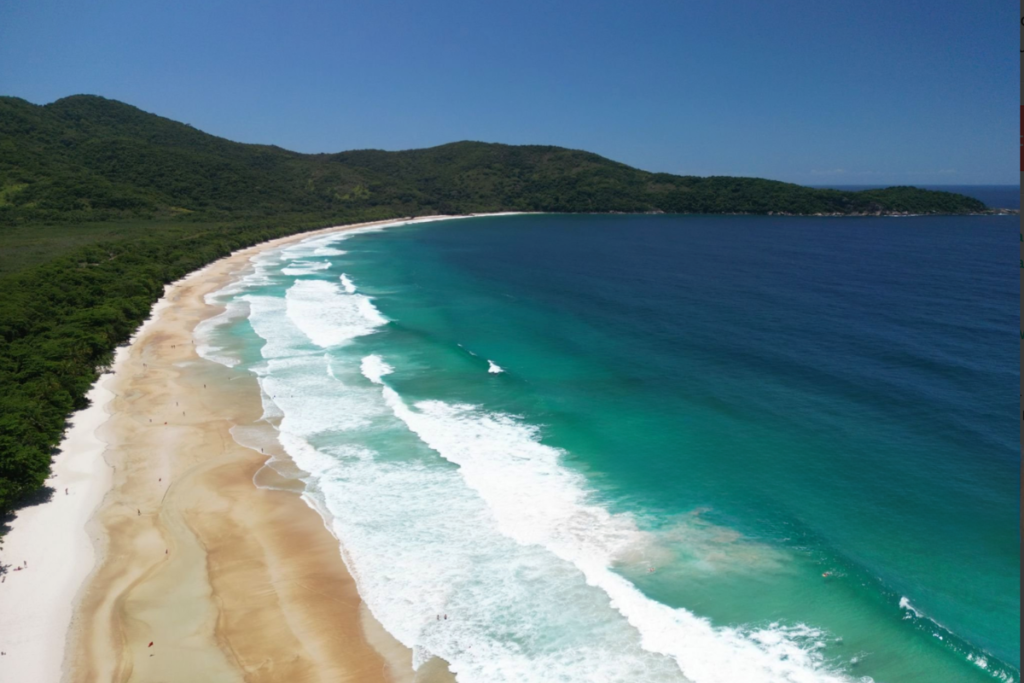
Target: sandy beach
(163, 561)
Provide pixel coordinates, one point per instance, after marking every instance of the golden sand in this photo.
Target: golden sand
(203, 576)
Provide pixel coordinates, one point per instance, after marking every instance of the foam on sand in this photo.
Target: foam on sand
(205, 333)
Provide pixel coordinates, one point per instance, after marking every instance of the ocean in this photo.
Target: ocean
(657, 448)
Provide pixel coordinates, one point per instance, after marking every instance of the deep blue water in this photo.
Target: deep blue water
(629, 447)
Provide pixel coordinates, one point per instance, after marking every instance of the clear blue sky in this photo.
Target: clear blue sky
(809, 91)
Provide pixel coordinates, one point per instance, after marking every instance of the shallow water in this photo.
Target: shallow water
(658, 448)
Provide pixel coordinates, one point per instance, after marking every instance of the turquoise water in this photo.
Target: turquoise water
(658, 448)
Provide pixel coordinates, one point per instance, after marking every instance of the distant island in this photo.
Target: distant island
(86, 158)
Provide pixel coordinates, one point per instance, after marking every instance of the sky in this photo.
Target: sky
(806, 91)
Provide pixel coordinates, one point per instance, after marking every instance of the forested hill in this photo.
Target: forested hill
(89, 158)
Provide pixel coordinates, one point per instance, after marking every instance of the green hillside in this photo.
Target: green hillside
(88, 158)
(102, 204)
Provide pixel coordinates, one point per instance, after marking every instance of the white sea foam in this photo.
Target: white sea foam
(268, 317)
(349, 286)
(307, 396)
(262, 271)
(329, 316)
(537, 502)
(272, 414)
(905, 604)
(324, 245)
(509, 544)
(258, 437)
(205, 334)
(374, 368)
(305, 267)
(494, 368)
(421, 545)
(979, 661)
(309, 247)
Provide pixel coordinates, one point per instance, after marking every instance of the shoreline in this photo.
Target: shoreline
(122, 560)
(54, 536)
(42, 596)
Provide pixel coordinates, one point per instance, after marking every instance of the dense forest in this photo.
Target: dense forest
(88, 158)
(102, 204)
(59, 324)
